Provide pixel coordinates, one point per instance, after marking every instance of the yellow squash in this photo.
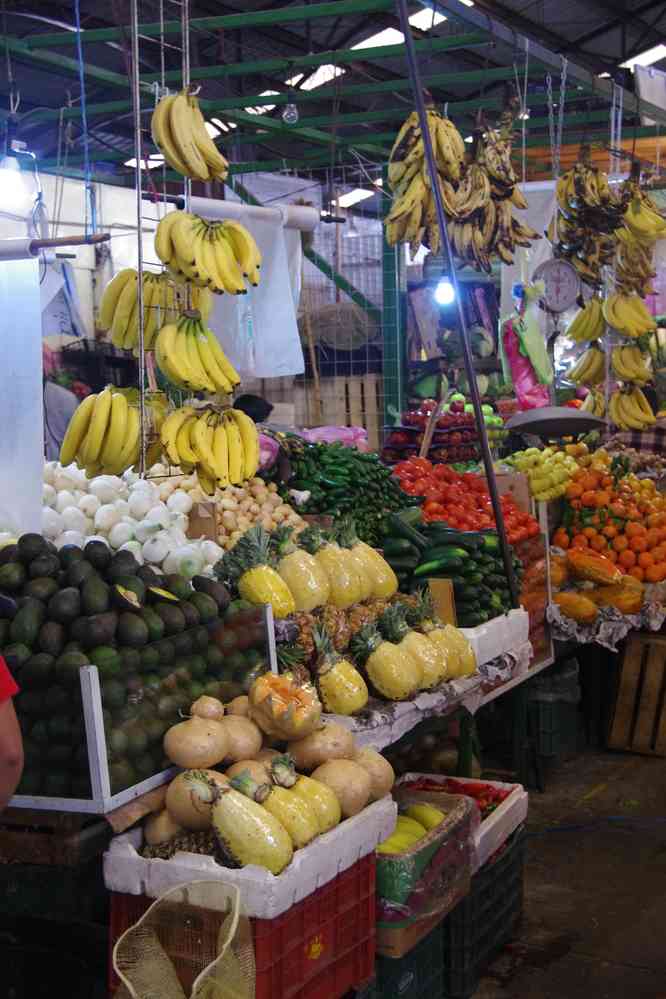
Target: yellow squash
(320, 797)
(292, 811)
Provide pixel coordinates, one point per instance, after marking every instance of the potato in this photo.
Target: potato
(330, 742)
(349, 782)
(378, 769)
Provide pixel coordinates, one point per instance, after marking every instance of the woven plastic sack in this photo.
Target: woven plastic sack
(192, 943)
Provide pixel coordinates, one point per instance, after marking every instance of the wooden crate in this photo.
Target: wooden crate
(29, 836)
(639, 719)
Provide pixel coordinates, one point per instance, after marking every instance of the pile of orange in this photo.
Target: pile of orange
(625, 521)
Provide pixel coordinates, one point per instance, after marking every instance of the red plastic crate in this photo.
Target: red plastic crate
(323, 946)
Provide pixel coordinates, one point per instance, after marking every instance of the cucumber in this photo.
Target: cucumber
(440, 566)
(491, 544)
(447, 535)
(473, 578)
(467, 594)
(399, 528)
(447, 551)
(472, 620)
(399, 547)
(402, 563)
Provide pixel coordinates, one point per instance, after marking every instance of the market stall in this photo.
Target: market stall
(254, 649)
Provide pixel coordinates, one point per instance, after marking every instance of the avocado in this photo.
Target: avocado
(208, 609)
(56, 699)
(107, 660)
(166, 651)
(41, 588)
(51, 638)
(99, 629)
(95, 595)
(135, 584)
(12, 576)
(201, 638)
(32, 754)
(172, 615)
(192, 617)
(122, 564)
(178, 585)
(197, 666)
(73, 646)
(137, 741)
(65, 606)
(113, 694)
(30, 704)
(158, 593)
(59, 755)
(167, 706)
(25, 626)
(211, 587)
(67, 667)
(98, 554)
(31, 546)
(8, 607)
(154, 622)
(150, 658)
(39, 733)
(38, 670)
(131, 659)
(132, 630)
(9, 553)
(79, 572)
(122, 776)
(183, 643)
(15, 655)
(148, 575)
(69, 554)
(215, 658)
(45, 565)
(125, 599)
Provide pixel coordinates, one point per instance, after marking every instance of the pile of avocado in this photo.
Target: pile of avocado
(149, 635)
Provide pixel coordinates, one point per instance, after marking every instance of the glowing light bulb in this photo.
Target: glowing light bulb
(444, 292)
(16, 198)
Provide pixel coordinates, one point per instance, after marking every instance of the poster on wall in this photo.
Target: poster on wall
(60, 302)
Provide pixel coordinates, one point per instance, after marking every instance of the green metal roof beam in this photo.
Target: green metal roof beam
(229, 22)
(63, 64)
(338, 57)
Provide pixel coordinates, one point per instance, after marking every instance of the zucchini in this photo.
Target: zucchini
(495, 580)
(473, 578)
(412, 516)
(447, 535)
(467, 594)
(399, 528)
(438, 566)
(491, 544)
(447, 551)
(401, 563)
(472, 620)
(399, 546)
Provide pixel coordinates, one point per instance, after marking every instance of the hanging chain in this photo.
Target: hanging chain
(14, 95)
(555, 131)
(551, 120)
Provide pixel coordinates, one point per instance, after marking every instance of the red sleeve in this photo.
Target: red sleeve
(8, 686)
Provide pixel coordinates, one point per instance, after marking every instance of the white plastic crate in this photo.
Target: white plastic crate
(265, 896)
(502, 634)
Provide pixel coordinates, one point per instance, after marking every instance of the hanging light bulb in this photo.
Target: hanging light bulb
(16, 197)
(444, 292)
(290, 114)
(524, 115)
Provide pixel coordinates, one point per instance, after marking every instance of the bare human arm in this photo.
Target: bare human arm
(11, 752)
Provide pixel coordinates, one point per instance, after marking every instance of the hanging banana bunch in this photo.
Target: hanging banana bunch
(179, 132)
(216, 255)
(221, 447)
(190, 356)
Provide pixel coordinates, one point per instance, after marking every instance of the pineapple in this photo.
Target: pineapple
(305, 641)
(348, 542)
(345, 585)
(341, 687)
(291, 659)
(249, 565)
(451, 641)
(393, 626)
(393, 672)
(384, 582)
(204, 841)
(336, 623)
(300, 571)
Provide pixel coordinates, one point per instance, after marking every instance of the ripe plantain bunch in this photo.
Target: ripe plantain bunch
(477, 196)
(588, 214)
(162, 302)
(179, 132)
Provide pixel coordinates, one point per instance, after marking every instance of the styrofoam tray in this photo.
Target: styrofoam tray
(500, 635)
(498, 826)
(264, 895)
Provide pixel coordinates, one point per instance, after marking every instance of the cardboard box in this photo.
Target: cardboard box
(441, 591)
(203, 521)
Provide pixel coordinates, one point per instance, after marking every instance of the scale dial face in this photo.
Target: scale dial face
(561, 284)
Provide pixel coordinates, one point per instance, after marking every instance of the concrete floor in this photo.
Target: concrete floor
(594, 925)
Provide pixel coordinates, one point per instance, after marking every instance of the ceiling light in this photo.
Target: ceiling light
(212, 130)
(426, 19)
(469, 138)
(15, 196)
(353, 197)
(646, 58)
(468, 3)
(603, 76)
(444, 292)
(378, 182)
(290, 114)
(226, 126)
(323, 74)
(154, 160)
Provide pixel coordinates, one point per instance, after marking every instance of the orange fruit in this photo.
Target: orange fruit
(561, 538)
(602, 499)
(627, 559)
(579, 541)
(620, 543)
(638, 543)
(654, 520)
(573, 490)
(637, 573)
(653, 537)
(589, 532)
(645, 560)
(588, 498)
(598, 543)
(609, 531)
(658, 553)
(618, 509)
(632, 530)
(607, 481)
(653, 573)
(611, 555)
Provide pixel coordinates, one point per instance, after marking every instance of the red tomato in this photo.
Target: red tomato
(532, 529)
(432, 506)
(422, 465)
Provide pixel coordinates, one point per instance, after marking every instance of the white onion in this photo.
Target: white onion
(106, 517)
(7, 538)
(190, 561)
(130, 477)
(120, 534)
(70, 538)
(64, 479)
(97, 537)
(171, 564)
(146, 530)
(89, 504)
(179, 502)
(156, 549)
(122, 506)
(49, 472)
(49, 495)
(52, 523)
(64, 499)
(139, 503)
(165, 490)
(211, 552)
(106, 488)
(159, 514)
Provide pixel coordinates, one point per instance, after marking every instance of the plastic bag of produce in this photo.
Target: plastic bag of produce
(349, 436)
(192, 943)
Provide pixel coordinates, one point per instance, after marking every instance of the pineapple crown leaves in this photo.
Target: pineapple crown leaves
(366, 641)
(282, 542)
(249, 552)
(346, 534)
(290, 655)
(326, 654)
(392, 624)
(312, 539)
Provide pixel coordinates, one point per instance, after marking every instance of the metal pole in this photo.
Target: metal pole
(417, 89)
(138, 169)
(187, 185)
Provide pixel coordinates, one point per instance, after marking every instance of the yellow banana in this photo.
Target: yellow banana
(201, 440)
(160, 127)
(223, 361)
(216, 162)
(130, 450)
(184, 446)
(164, 247)
(221, 454)
(111, 296)
(99, 422)
(228, 267)
(123, 311)
(117, 430)
(77, 430)
(208, 361)
(249, 440)
(169, 432)
(244, 246)
(235, 451)
(181, 122)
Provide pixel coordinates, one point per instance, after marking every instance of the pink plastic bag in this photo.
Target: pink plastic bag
(268, 451)
(350, 436)
(529, 392)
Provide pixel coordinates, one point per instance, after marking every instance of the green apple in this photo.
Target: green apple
(457, 397)
(488, 410)
(469, 408)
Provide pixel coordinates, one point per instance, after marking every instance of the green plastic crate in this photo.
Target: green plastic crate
(64, 894)
(417, 975)
(555, 726)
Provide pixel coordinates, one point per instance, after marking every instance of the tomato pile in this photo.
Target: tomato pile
(461, 500)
